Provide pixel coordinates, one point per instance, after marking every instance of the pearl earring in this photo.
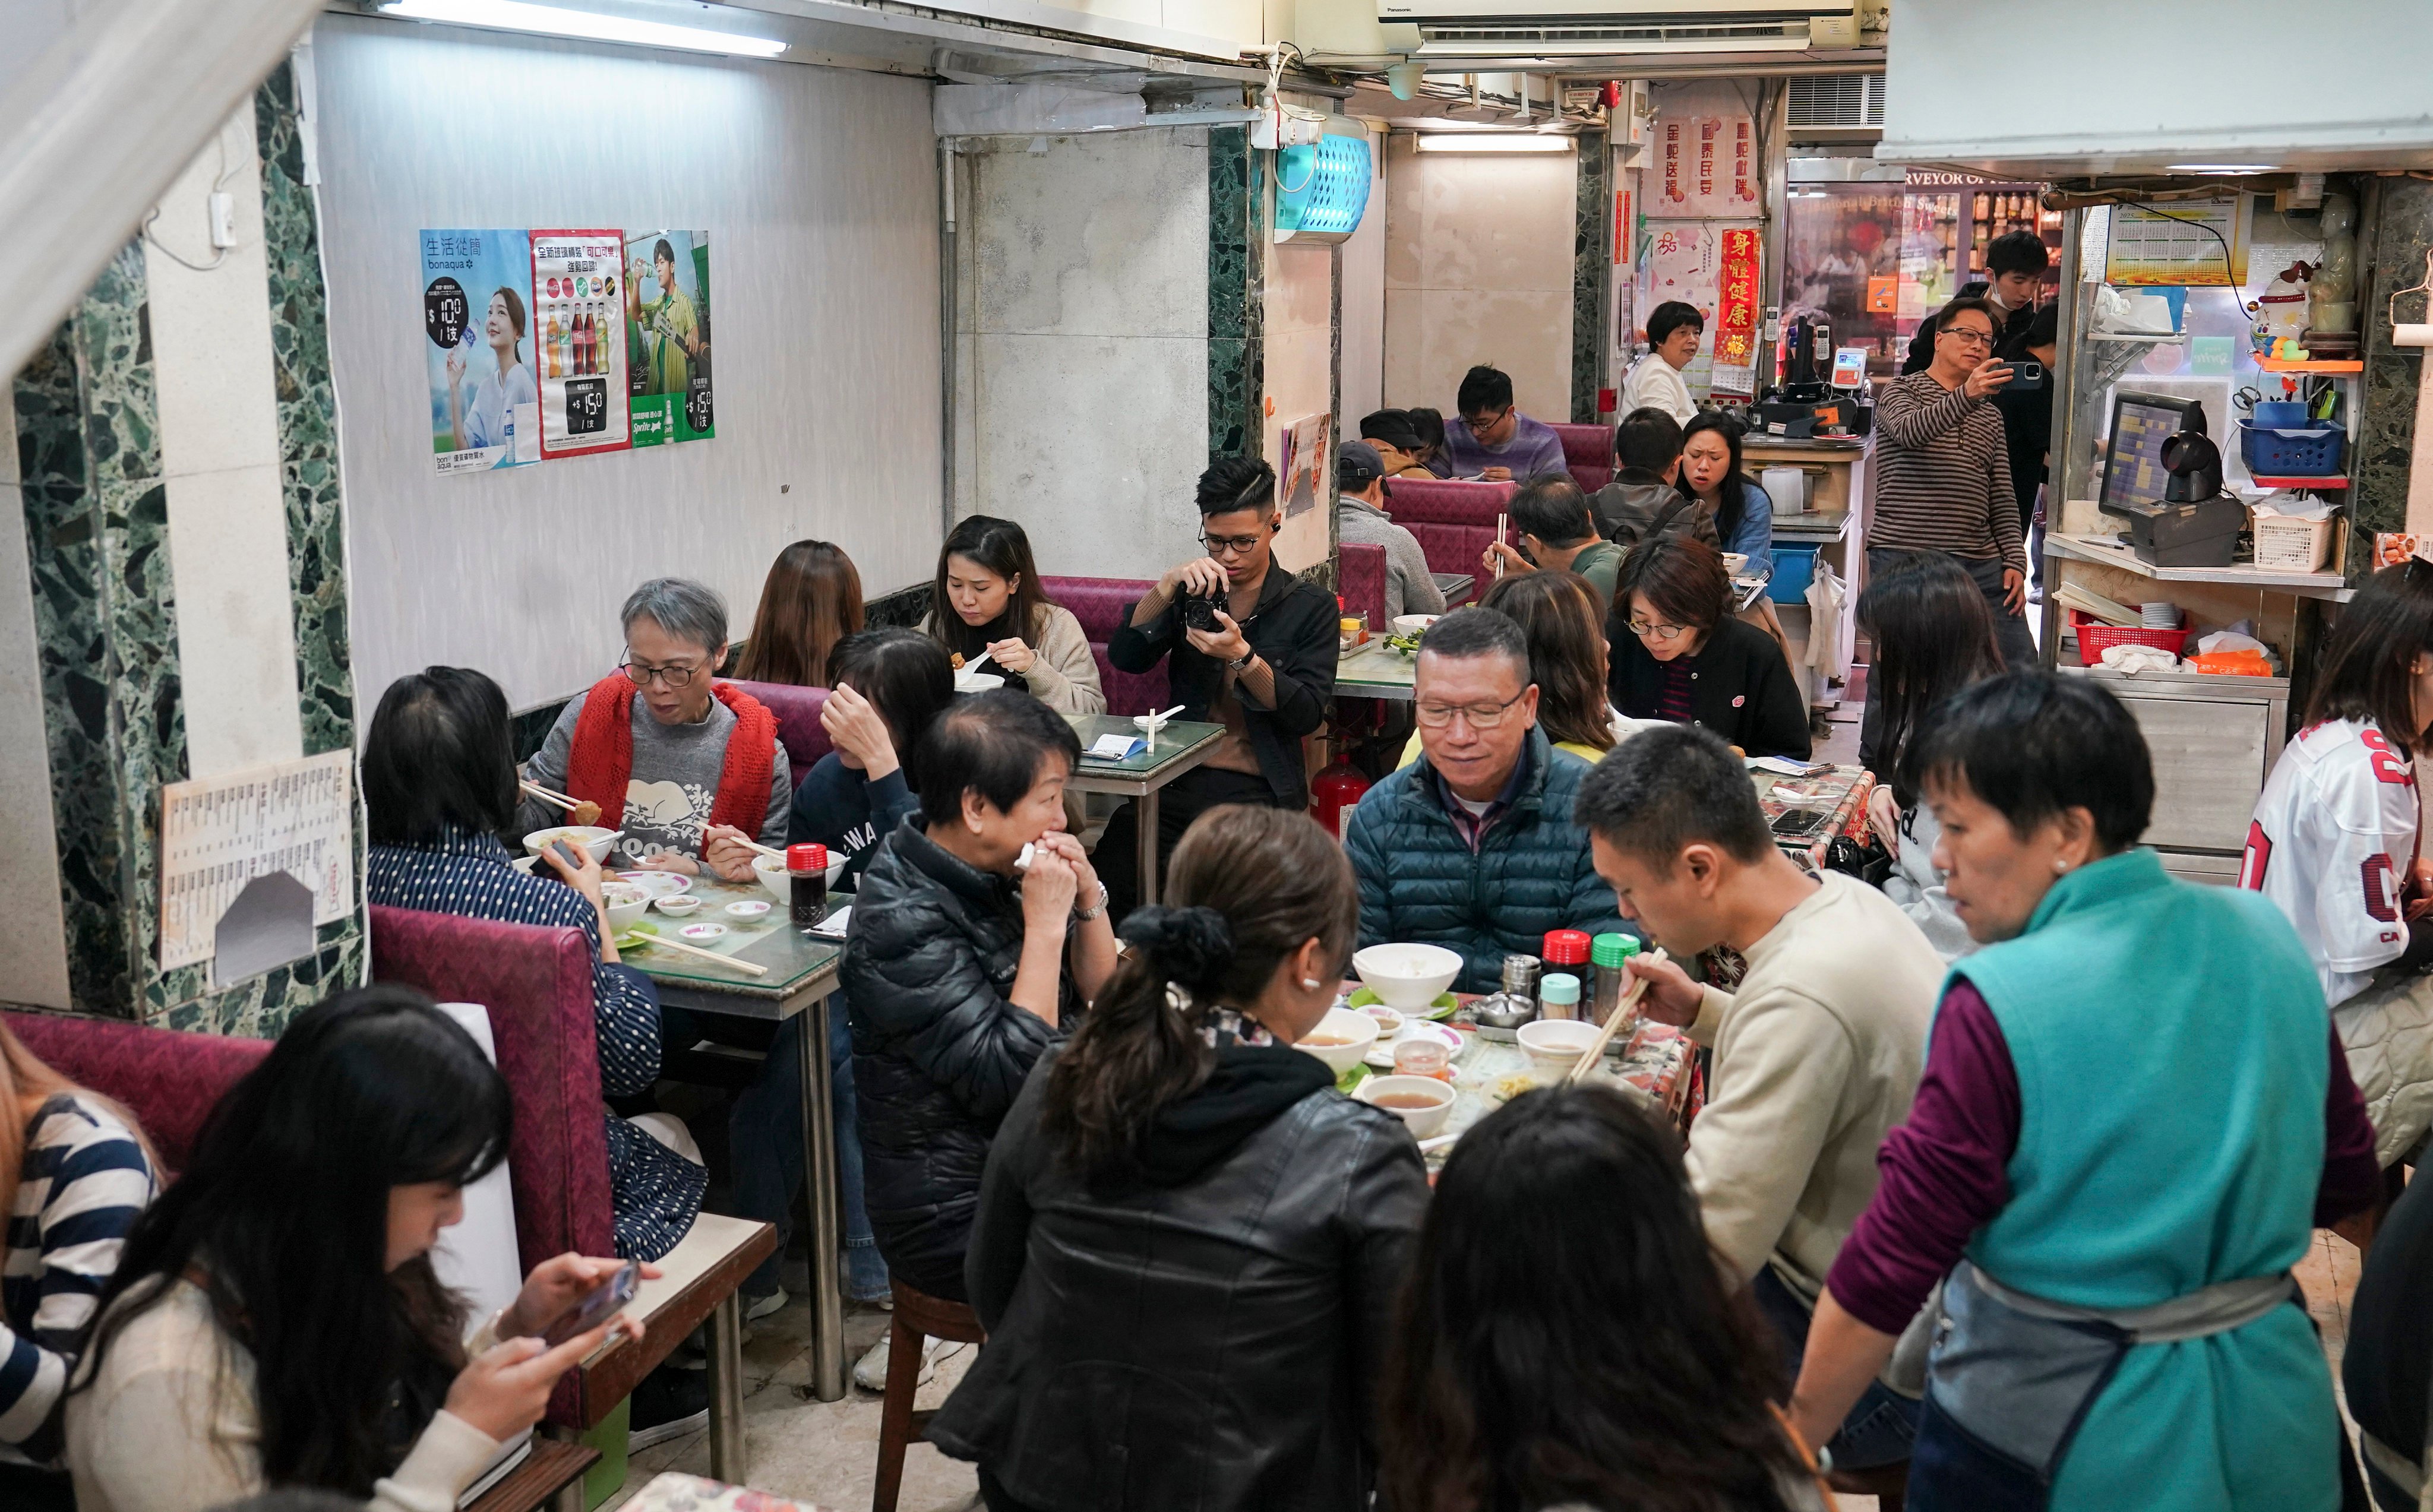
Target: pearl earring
(1309, 984)
(2060, 866)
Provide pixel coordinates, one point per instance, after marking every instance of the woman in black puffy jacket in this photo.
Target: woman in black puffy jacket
(961, 970)
(1188, 1241)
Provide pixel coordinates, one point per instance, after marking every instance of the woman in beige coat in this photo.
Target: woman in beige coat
(988, 603)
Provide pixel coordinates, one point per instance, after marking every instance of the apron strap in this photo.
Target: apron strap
(2215, 1309)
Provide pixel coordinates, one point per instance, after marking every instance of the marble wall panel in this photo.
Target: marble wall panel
(1592, 268)
(2401, 231)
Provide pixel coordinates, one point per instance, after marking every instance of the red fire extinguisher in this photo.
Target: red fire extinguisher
(1335, 791)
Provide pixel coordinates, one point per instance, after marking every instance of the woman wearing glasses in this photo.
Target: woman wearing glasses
(667, 755)
(1679, 655)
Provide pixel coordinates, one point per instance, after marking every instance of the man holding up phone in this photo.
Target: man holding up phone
(1945, 480)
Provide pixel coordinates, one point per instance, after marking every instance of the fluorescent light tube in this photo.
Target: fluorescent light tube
(1483, 141)
(2221, 167)
(590, 25)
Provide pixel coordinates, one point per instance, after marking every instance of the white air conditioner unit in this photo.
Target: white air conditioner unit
(1605, 28)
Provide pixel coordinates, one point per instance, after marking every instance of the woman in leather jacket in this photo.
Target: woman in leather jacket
(961, 968)
(1188, 1240)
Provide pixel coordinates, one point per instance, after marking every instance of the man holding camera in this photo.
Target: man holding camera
(1247, 645)
(1943, 471)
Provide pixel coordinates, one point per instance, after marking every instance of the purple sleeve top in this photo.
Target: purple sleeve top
(1943, 1171)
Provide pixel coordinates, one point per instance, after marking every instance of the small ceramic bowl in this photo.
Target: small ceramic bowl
(702, 934)
(1422, 1103)
(1340, 1039)
(1412, 624)
(1554, 1045)
(624, 904)
(748, 908)
(676, 905)
(1389, 1021)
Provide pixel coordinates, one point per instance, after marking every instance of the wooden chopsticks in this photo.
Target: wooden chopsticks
(1621, 1010)
(547, 796)
(744, 966)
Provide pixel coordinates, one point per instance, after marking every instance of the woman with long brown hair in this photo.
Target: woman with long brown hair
(1187, 1239)
(75, 1173)
(988, 602)
(812, 600)
(1566, 1338)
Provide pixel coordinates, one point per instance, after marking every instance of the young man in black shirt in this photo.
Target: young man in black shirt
(1247, 645)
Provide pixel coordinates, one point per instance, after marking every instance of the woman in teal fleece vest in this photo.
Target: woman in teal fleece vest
(2131, 1118)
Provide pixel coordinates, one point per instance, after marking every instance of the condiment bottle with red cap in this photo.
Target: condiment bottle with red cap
(807, 870)
(1566, 953)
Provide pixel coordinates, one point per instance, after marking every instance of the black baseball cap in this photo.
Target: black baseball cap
(1356, 466)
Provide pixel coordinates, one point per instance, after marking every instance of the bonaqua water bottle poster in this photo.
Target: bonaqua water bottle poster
(479, 351)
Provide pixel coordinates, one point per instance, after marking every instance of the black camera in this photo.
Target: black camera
(1199, 613)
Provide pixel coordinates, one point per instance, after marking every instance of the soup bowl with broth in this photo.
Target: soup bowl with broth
(1422, 1103)
(1340, 1039)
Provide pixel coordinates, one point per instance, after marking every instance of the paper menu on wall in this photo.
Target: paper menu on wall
(219, 833)
(2185, 244)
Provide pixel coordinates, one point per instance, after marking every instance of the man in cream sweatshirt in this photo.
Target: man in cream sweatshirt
(1816, 1053)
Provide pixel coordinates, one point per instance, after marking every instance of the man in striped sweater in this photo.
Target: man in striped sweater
(1943, 479)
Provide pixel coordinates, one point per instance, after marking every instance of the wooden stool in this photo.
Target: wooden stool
(917, 1315)
(1887, 1484)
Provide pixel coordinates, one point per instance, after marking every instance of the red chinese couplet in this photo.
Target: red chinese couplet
(1736, 299)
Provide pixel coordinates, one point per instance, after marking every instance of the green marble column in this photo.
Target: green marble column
(2394, 257)
(1236, 295)
(1591, 260)
(97, 524)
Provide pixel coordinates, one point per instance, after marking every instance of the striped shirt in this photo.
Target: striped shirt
(83, 1183)
(1943, 474)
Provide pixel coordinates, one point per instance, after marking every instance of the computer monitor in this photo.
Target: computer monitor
(2134, 474)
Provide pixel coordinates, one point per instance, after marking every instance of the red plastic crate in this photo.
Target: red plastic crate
(2095, 637)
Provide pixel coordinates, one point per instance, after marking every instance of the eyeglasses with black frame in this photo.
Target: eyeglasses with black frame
(1230, 545)
(1481, 716)
(1970, 334)
(675, 674)
(1651, 630)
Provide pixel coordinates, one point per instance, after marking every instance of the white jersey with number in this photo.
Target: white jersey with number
(2332, 843)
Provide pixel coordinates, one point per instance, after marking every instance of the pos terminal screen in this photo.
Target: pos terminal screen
(2134, 475)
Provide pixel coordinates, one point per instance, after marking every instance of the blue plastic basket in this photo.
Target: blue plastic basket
(1795, 568)
(2313, 451)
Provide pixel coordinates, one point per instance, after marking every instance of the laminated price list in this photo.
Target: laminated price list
(220, 833)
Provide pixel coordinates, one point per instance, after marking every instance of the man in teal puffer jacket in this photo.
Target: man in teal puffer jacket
(1473, 847)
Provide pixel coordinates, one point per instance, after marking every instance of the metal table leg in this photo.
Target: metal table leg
(820, 1183)
(730, 1457)
(1147, 844)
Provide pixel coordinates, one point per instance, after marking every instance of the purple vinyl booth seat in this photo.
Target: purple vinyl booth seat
(536, 984)
(169, 1080)
(1451, 522)
(1587, 451)
(1360, 577)
(1101, 603)
(799, 729)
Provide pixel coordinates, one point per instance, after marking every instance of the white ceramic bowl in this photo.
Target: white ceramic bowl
(625, 903)
(770, 870)
(748, 908)
(1735, 563)
(1356, 1030)
(1389, 1021)
(1424, 1122)
(1407, 978)
(703, 933)
(1411, 624)
(676, 905)
(977, 682)
(1554, 1045)
(589, 837)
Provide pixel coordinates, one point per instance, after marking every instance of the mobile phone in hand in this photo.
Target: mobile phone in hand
(598, 1306)
(2026, 374)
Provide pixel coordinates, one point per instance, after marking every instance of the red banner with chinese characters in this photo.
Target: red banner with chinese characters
(1736, 299)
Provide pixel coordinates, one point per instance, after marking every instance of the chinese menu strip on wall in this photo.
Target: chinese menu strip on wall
(220, 833)
(544, 345)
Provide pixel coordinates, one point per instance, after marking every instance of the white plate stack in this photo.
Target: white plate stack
(2160, 614)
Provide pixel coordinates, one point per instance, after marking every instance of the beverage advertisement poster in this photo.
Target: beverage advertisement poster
(481, 349)
(577, 313)
(667, 321)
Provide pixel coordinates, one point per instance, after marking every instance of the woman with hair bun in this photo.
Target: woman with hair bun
(1188, 1242)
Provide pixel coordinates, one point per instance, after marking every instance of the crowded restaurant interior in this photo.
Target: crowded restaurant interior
(1256, 756)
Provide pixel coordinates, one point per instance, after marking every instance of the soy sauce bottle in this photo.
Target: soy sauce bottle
(806, 871)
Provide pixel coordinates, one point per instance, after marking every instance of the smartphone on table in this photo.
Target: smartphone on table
(598, 1306)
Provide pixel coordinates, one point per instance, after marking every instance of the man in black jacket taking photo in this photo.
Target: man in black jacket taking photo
(1247, 645)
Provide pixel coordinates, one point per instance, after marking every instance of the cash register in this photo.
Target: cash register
(1805, 406)
(2162, 473)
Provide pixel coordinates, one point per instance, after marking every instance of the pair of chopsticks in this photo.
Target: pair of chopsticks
(1621, 1010)
(1499, 540)
(548, 796)
(1156, 723)
(744, 966)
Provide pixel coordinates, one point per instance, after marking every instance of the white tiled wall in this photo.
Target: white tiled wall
(35, 969)
(1478, 269)
(1299, 377)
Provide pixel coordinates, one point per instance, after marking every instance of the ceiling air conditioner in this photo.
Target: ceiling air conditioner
(1836, 101)
(1607, 28)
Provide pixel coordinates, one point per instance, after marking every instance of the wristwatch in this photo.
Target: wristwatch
(1242, 662)
(1085, 915)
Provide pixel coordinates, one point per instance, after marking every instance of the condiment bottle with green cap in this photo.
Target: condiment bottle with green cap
(1611, 954)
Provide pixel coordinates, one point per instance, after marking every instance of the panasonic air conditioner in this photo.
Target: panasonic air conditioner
(1598, 28)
